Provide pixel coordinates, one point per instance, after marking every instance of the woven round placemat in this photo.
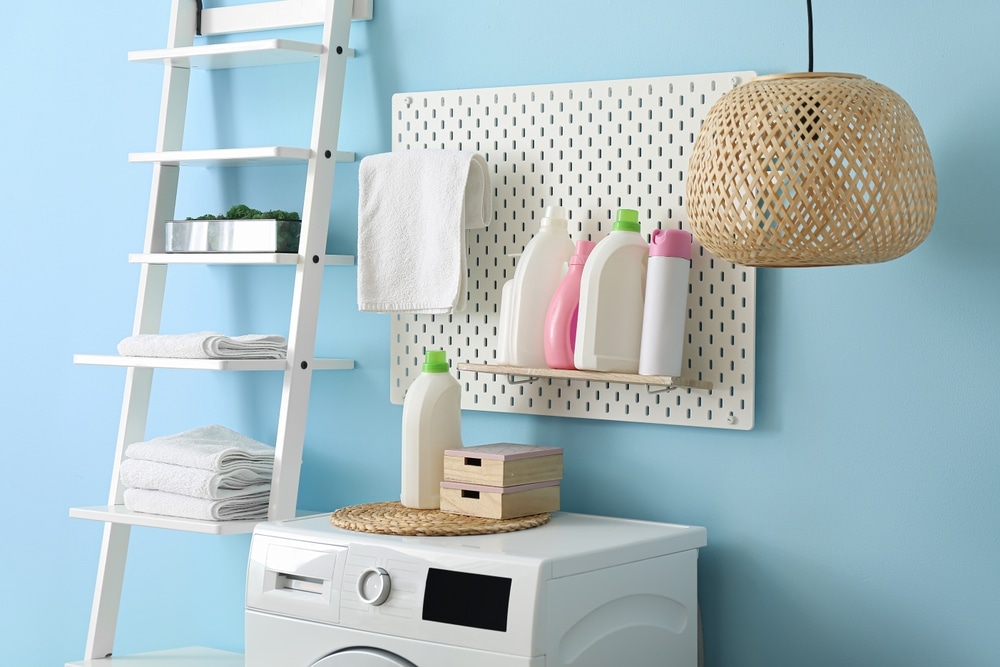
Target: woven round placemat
(391, 518)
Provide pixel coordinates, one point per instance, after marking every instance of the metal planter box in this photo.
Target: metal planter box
(232, 235)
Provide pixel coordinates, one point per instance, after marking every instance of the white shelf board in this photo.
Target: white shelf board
(333, 364)
(232, 258)
(118, 514)
(180, 657)
(668, 381)
(205, 364)
(254, 53)
(227, 157)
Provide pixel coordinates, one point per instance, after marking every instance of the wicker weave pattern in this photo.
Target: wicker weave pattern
(811, 170)
(391, 518)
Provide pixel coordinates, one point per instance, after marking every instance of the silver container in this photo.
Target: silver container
(232, 235)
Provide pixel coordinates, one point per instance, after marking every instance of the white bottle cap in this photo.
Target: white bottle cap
(554, 216)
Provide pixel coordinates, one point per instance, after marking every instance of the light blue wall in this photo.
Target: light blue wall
(857, 524)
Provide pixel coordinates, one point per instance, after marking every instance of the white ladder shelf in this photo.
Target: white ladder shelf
(320, 157)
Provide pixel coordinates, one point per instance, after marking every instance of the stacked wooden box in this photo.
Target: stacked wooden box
(501, 480)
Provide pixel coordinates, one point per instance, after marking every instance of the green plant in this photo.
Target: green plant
(244, 212)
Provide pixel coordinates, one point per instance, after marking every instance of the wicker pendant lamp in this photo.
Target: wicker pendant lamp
(810, 169)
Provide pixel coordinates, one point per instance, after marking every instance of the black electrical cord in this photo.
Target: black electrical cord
(809, 18)
(197, 18)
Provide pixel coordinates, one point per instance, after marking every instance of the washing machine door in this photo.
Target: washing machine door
(363, 657)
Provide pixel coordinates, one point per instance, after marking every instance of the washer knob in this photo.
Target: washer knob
(373, 586)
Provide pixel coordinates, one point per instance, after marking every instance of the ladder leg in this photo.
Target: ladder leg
(107, 594)
(309, 269)
(149, 305)
(114, 544)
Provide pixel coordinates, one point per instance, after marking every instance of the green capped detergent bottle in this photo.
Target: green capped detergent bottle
(432, 416)
(612, 289)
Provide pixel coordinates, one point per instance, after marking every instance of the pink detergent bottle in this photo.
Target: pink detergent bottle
(560, 320)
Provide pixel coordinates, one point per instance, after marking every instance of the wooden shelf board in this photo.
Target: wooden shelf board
(321, 364)
(591, 376)
(254, 53)
(118, 514)
(232, 258)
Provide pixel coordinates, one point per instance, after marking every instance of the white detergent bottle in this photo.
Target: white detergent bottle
(665, 312)
(432, 423)
(536, 278)
(612, 287)
(505, 317)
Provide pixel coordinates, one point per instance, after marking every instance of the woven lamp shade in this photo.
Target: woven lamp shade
(811, 169)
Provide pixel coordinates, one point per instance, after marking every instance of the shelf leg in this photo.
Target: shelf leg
(107, 593)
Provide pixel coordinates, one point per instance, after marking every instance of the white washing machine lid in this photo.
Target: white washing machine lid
(572, 543)
(363, 657)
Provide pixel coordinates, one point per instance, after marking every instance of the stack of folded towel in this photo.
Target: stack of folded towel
(209, 473)
(204, 345)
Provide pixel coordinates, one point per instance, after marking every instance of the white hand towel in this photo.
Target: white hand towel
(196, 482)
(249, 507)
(214, 447)
(204, 345)
(413, 209)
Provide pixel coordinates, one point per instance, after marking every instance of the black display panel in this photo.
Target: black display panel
(461, 598)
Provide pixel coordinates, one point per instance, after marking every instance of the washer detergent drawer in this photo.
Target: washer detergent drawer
(295, 578)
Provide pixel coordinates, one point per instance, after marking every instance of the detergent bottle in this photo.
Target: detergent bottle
(561, 317)
(536, 278)
(612, 288)
(665, 312)
(432, 416)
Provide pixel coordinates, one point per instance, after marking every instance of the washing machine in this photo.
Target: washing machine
(579, 591)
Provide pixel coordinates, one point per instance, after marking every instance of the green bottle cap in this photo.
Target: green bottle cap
(626, 221)
(435, 361)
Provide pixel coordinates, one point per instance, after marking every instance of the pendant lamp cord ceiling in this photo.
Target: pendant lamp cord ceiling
(809, 16)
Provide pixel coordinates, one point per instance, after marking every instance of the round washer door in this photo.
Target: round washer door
(363, 657)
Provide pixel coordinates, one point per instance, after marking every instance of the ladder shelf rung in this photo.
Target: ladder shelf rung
(234, 157)
(254, 53)
(323, 364)
(120, 514)
(227, 157)
(194, 656)
(232, 258)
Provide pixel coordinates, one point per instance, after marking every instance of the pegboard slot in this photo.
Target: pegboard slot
(592, 148)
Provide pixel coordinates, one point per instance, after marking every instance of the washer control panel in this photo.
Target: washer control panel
(442, 595)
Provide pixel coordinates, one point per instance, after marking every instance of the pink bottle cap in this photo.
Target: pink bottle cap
(670, 243)
(583, 249)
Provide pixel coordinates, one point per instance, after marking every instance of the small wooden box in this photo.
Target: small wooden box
(500, 502)
(503, 464)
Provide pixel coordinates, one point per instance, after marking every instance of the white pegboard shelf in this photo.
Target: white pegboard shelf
(665, 382)
(592, 148)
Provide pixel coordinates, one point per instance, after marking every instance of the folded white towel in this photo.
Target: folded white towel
(413, 209)
(249, 507)
(197, 482)
(204, 345)
(214, 448)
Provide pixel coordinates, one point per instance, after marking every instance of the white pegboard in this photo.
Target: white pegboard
(592, 148)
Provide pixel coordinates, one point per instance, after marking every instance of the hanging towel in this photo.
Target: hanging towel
(204, 345)
(413, 209)
(247, 507)
(196, 482)
(214, 448)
